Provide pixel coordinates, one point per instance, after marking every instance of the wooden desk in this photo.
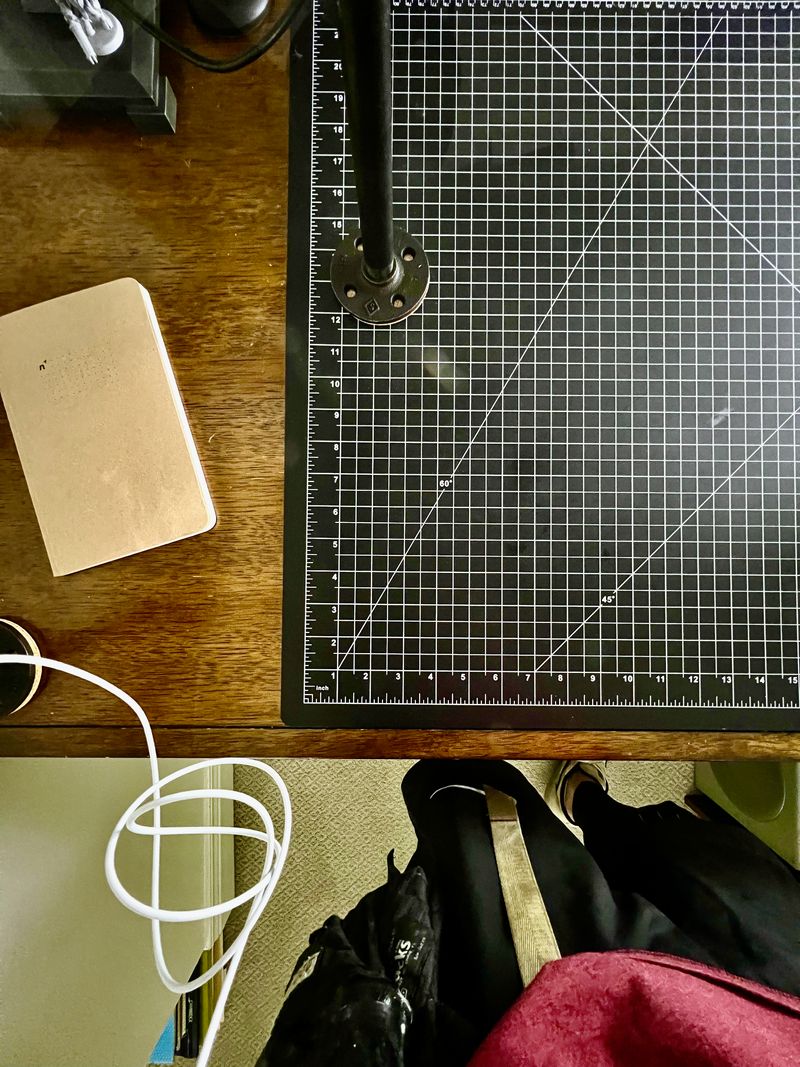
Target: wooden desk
(193, 629)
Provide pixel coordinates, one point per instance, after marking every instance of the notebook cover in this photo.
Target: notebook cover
(100, 428)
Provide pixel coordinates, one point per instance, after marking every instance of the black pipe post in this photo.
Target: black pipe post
(379, 272)
(365, 33)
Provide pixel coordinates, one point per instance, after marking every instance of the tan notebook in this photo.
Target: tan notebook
(100, 427)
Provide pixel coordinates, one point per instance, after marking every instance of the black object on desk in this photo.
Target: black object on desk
(227, 16)
(379, 273)
(19, 683)
(42, 70)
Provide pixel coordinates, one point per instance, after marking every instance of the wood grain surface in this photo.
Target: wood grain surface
(192, 630)
(199, 218)
(215, 740)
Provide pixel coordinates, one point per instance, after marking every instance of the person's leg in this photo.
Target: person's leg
(715, 881)
(478, 974)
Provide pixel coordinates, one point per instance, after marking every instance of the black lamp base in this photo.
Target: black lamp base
(228, 17)
(19, 683)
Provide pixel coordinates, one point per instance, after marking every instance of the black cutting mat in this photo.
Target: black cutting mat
(565, 493)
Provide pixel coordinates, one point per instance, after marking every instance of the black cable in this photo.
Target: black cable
(218, 66)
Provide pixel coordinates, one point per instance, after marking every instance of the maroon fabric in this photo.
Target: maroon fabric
(631, 1009)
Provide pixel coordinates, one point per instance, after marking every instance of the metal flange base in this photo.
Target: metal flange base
(384, 303)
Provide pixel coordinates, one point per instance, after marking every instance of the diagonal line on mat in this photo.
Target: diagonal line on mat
(688, 518)
(657, 151)
(512, 373)
(634, 129)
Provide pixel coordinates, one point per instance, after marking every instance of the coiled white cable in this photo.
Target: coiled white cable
(151, 800)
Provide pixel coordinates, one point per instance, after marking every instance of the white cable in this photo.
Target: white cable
(151, 800)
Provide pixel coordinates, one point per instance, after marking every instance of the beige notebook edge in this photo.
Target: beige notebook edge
(61, 567)
(180, 409)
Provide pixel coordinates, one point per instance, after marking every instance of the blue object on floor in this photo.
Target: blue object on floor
(164, 1052)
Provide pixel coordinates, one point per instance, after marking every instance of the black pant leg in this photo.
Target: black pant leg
(478, 971)
(717, 882)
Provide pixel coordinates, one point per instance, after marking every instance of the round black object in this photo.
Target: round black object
(228, 16)
(18, 682)
(380, 303)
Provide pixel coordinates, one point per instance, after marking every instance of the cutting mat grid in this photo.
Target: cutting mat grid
(571, 480)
